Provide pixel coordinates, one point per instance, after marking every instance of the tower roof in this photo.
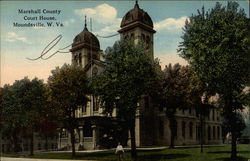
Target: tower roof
(137, 15)
(85, 39)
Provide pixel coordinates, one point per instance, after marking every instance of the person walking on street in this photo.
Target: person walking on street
(119, 150)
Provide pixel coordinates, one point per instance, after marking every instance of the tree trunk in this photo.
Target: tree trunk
(31, 144)
(231, 112)
(172, 129)
(234, 137)
(46, 142)
(133, 143)
(72, 138)
(234, 146)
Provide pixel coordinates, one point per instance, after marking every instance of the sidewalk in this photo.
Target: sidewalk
(29, 159)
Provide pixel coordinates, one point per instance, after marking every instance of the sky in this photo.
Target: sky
(20, 43)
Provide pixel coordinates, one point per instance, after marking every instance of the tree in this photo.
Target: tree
(175, 83)
(2, 93)
(128, 73)
(197, 96)
(216, 44)
(67, 92)
(22, 106)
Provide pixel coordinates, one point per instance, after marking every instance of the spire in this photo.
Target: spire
(136, 4)
(85, 24)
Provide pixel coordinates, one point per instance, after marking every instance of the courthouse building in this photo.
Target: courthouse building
(99, 130)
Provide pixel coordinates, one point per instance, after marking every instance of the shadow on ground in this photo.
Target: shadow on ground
(227, 152)
(196, 147)
(229, 159)
(156, 157)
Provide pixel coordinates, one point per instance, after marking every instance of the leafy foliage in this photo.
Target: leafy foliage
(23, 103)
(129, 73)
(175, 84)
(67, 92)
(217, 45)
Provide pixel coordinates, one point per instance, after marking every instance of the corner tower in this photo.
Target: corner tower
(137, 25)
(85, 48)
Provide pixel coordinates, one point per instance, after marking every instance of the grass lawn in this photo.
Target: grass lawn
(215, 153)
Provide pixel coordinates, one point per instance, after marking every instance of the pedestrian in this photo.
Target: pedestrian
(119, 150)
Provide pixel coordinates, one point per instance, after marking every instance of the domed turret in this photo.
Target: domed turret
(85, 48)
(85, 39)
(137, 26)
(137, 15)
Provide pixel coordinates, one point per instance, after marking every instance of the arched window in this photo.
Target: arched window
(147, 42)
(132, 36)
(75, 61)
(80, 59)
(143, 37)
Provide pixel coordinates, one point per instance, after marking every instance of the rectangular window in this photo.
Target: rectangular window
(191, 130)
(218, 132)
(161, 128)
(196, 113)
(214, 133)
(183, 129)
(83, 109)
(209, 133)
(198, 132)
(218, 116)
(213, 114)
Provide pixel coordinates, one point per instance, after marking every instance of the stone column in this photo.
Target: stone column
(69, 139)
(81, 135)
(94, 136)
(179, 139)
(84, 57)
(59, 139)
